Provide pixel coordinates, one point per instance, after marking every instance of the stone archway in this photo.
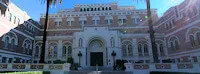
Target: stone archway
(96, 52)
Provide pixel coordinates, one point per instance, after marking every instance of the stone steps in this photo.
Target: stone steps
(98, 72)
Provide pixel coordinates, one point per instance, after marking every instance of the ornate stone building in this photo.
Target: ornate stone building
(98, 30)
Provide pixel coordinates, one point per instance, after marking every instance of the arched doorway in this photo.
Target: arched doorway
(96, 52)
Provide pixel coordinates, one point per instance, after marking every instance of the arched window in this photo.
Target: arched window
(170, 24)
(189, 13)
(12, 43)
(91, 9)
(124, 50)
(50, 51)
(88, 9)
(162, 52)
(198, 37)
(130, 50)
(146, 51)
(69, 50)
(176, 45)
(172, 46)
(29, 49)
(37, 48)
(106, 8)
(194, 10)
(55, 51)
(15, 19)
(25, 48)
(84, 9)
(102, 8)
(64, 51)
(6, 42)
(10, 18)
(109, 8)
(80, 42)
(81, 9)
(98, 9)
(112, 41)
(95, 9)
(140, 50)
(192, 40)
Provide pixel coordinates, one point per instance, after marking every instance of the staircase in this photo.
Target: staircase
(101, 70)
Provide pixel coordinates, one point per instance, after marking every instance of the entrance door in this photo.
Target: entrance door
(96, 58)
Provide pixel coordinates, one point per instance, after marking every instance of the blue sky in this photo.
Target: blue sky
(35, 7)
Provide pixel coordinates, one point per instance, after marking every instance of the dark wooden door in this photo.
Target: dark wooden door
(96, 58)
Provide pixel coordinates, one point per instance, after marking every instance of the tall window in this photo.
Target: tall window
(10, 18)
(55, 51)
(112, 41)
(15, 19)
(162, 52)
(172, 46)
(140, 50)
(189, 13)
(136, 20)
(146, 51)
(130, 50)
(69, 50)
(176, 45)
(12, 43)
(192, 40)
(37, 48)
(6, 42)
(198, 37)
(194, 10)
(124, 50)
(80, 42)
(64, 52)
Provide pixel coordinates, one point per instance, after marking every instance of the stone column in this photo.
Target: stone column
(59, 50)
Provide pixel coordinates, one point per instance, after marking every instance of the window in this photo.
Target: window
(170, 24)
(176, 45)
(6, 42)
(64, 52)
(192, 41)
(10, 18)
(162, 52)
(93, 22)
(112, 41)
(12, 43)
(130, 50)
(172, 46)
(15, 19)
(189, 13)
(194, 10)
(146, 51)
(140, 50)
(55, 51)
(80, 42)
(109, 8)
(37, 48)
(124, 50)
(198, 37)
(69, 50)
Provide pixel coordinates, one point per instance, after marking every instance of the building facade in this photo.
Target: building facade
(98, 30)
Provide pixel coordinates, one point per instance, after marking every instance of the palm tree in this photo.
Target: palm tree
(49, 2)
(151, 31)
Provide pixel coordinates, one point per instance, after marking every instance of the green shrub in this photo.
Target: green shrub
(70, 60)
(156, 72)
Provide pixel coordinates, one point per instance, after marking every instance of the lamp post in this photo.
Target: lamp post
(114, 54)
(79, 55)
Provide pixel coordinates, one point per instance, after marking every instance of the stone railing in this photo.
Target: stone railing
(163, 67)
(35, 67)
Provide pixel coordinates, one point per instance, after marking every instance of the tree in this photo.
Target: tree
(49, 2)
(151, 31)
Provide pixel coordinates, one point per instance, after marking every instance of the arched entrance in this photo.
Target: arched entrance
(96, 52)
